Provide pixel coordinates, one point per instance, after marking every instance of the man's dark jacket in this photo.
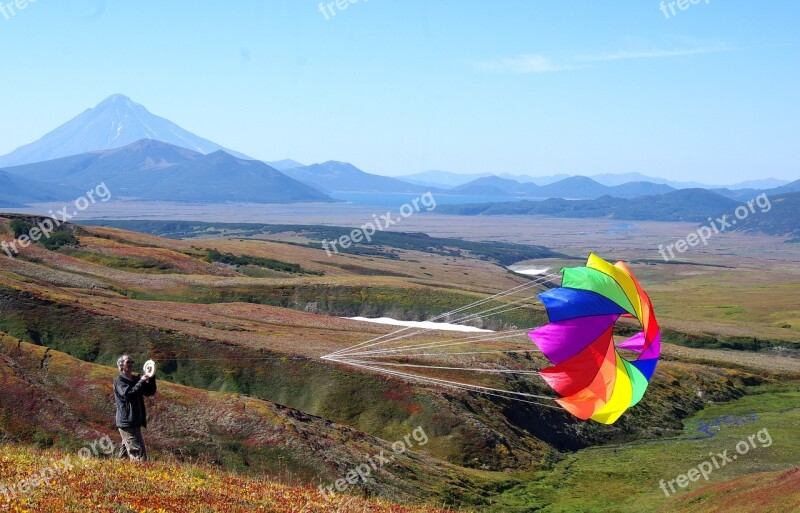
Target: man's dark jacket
(129, 396)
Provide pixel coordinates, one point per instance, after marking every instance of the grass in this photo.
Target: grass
(147, 265)
(625, 478)
(114, 486)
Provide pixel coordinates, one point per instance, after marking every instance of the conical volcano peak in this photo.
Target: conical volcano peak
(113, 123)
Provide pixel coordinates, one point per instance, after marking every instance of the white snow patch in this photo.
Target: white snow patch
(532, 271)
(443, 326)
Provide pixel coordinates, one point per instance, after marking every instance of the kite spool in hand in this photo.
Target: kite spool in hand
(149, 368)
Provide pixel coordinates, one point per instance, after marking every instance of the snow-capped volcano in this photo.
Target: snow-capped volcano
(114, 123)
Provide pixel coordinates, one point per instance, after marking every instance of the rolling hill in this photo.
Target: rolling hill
(153, 170)
(780, 220)
(237, 432)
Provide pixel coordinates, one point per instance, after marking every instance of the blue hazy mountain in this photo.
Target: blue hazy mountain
(573, 187)
(693, 205)
(786, 188)
(781, 219)
(283, 165)
(612, 179)
(115, 122)
(441, 179)
(489, 185)
(750, 193)
(450, 180)
(335, 176)
(17, 191)
(155, 170)
(761, 185)
(538, 180)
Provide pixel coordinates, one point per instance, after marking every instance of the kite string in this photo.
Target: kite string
(375, 341)
(472, 369)
(457, 385)
(499, 351)
(418, 333)
(394, 335)
(507, 308)
(510, 291)
(445, 314)
(443, 343)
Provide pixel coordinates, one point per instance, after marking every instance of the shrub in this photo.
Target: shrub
(20, 227)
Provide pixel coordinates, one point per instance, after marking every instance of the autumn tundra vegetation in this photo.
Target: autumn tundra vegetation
(249, 418)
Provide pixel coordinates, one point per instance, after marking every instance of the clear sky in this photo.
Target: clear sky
(709, 93)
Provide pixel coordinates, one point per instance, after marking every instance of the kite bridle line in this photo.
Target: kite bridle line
(406, 350)
(471, 317)
(356, 354)
(514, 290)
(503, 309)
(496, 392)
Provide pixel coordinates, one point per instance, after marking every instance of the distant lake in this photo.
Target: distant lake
(398, 199)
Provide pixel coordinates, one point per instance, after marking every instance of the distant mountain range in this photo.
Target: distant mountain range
(693, 205)
(445, 179)
(573, 187)
(340, 176)
(154, 170)
(141, 155)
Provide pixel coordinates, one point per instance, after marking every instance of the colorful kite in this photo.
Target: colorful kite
(594, 381)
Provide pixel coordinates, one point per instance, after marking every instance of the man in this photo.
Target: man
(129, 393)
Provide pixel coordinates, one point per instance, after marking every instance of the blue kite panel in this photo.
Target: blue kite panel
(565, 303)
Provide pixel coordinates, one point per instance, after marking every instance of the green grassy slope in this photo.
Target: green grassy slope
(627, 478)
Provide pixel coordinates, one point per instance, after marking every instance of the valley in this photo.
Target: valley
(252, 332)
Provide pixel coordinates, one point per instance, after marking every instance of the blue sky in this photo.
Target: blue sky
(398, 87)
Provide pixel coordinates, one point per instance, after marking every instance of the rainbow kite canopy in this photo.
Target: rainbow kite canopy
(595, 382)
